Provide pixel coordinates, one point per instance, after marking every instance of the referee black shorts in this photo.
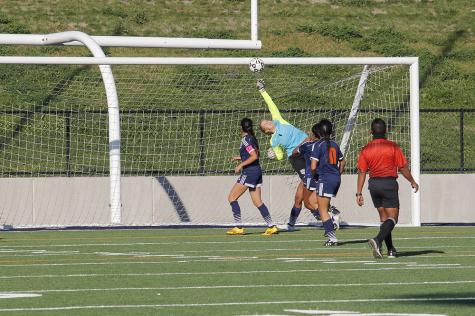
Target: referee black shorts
(384, 192)
(298, 164)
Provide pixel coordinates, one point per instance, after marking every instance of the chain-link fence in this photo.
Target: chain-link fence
(447, 144)
(447, 140)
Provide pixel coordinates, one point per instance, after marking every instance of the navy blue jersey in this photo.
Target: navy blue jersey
(328, 158)
(248, 145)
(306, 151)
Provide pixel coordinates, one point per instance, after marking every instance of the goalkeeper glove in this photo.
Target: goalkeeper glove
(271, 153)
(260, 84)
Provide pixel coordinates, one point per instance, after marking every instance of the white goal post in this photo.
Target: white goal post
(113, 103)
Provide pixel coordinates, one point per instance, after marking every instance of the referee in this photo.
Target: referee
(382, 158)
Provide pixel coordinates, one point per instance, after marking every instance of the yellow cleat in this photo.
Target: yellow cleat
(235, 231)
(271, 231)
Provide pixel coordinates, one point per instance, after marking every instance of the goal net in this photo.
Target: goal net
(179, 127)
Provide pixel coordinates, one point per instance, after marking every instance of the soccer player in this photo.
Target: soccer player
(382, 158)
(328, 163)
(286, 137)
(309, 182)
(250, 178)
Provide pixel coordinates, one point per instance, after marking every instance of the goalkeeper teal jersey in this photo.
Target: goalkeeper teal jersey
(287, 136)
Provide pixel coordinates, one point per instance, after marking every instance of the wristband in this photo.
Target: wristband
(359, 194)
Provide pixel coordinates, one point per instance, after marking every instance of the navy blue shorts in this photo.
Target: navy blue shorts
(298, 164)
(310, 184)
(250, 178)
(328, 187)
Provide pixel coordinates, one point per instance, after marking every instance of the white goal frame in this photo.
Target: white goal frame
(114, 128)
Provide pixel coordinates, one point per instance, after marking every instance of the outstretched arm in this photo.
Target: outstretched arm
(274, 111)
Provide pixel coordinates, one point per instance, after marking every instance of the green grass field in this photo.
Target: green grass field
(205, 272)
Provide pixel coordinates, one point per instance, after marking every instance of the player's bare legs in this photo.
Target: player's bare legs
(256, 196)
(310, 201)
(237, 190)
(324, 205)
(298, 199)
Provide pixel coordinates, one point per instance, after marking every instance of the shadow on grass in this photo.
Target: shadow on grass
(350, 242)
(417, 253)
(450, 298)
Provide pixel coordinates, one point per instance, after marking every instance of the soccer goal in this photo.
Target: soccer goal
(175, 128)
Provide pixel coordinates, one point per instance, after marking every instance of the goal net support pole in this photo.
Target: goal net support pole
(354, 110)
(415, 140)
(113, 111)
(112, 102)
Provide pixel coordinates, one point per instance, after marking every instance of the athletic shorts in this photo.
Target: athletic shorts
(328, 187)
(310, 184)
(384, 192)
(251, 178)
(298, 164)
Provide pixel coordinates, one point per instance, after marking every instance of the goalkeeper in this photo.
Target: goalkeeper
(286, 137)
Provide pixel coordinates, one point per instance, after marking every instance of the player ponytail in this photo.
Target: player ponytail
(325, 130)
(246, 126)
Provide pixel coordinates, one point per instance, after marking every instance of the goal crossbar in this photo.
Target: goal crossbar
(208, 60)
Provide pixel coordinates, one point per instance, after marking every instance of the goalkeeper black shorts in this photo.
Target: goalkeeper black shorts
(298, 164)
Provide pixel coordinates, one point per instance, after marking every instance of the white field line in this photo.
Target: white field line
(212, 287)
(350, 261)
(240, 241)
(35, 253)
(95, 275)
(234, 259)
(347, 313)
(421, 299)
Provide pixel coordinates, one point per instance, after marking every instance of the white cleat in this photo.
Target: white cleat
(335, 216)
(286, 228)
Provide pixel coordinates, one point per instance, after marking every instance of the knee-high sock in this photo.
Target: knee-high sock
(328, 225)
(388, 240)
(294, 214)
(265, 214)
(386, 228)
(236, 213)
(316, 214)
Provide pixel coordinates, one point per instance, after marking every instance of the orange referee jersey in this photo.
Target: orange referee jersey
(382, 158)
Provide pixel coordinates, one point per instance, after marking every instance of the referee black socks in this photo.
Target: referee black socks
(385, 230)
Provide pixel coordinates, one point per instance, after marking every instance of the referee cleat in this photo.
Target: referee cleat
(373, 244)
(330, 243)
(392, 253)
(236, 231)
(286, 228)
(271, 231)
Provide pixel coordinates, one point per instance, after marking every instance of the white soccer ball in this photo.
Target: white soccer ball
(256, 65)
(271, 153)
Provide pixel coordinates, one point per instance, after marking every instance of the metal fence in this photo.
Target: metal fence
(447, 142)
